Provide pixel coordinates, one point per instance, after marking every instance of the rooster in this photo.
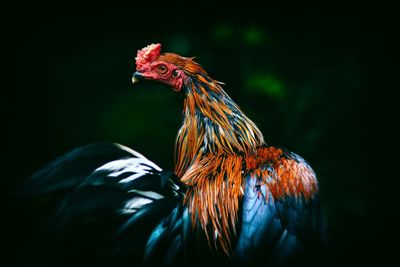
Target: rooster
(231, 200)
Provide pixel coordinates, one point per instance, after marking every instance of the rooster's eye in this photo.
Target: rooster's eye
(174, 73)
(162, 69)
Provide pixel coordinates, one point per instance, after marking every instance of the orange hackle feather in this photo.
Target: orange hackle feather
(289, 177)
(210, 154)
(216, 147)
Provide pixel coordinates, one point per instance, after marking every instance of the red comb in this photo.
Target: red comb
(147, 55)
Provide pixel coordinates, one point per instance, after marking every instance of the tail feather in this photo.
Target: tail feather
(70, 170)
(89, 197)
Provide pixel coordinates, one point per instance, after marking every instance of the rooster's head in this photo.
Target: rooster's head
(168, 68)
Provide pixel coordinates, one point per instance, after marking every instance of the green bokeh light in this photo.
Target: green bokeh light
(253, 36)
(224, 32)
(266, 84)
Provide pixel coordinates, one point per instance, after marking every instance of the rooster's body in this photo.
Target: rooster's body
(234, 199)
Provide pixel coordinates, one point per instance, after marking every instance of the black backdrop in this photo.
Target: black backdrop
(313, 81)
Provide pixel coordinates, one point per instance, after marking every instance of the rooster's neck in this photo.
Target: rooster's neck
(212, 125)
(211, 148)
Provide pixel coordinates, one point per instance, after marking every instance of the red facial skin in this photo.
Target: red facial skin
(164, 72)
(152, 69)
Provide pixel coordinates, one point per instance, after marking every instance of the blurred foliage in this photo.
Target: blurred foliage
(223, 31)
(254, 36)
(266, 84)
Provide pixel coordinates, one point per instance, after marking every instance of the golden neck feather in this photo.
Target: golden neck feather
(211, 146)
(212, 124)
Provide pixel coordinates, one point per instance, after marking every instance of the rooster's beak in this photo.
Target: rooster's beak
(136, 77)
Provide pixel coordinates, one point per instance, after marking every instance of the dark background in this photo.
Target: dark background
(313, 81)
